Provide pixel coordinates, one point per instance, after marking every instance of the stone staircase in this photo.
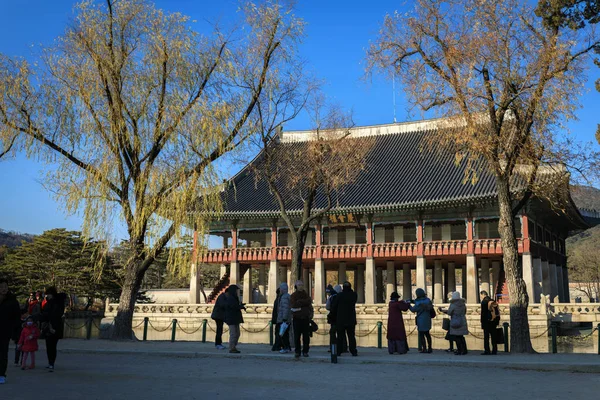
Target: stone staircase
(502, 289)
(222, 285)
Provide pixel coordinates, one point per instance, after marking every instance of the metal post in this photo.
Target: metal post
(553, 327)
(174, 330)
(506, 337)
(146, 319)
(204, 322)
(271, 333)
(332, 346)
(88, 330)
(379, 325)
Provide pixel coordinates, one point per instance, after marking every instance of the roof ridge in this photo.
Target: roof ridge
(374, 130)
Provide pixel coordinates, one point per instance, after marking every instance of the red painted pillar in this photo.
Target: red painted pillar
(318, 241)
(526, 235)
(420, 237)
(274, 242)
(234, 242)
(195, 248)
(369, 238)
(470, 248)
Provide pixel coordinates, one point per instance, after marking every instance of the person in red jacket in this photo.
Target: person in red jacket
(28, 342)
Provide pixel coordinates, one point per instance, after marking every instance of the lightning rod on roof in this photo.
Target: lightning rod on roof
(394, 93)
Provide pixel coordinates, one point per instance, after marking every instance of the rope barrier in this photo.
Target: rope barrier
(438, 337)
(100, 328)
(255, 331)
(475, 336)
(73, 327)
(225, 329)
(577, 337)
(366, 334)
(187, 332)
(411, 332)
(322, 332)
(541, 334)
(160, 330)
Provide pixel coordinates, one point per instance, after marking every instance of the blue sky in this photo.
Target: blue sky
(337, 34)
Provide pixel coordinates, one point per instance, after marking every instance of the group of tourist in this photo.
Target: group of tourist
(457, 324)
(39, 316)
(292, 318)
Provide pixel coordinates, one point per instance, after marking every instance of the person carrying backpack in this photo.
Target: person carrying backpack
(490, 318)
(424, 310)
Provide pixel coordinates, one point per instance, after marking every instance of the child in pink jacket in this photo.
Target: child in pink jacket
(28, 342)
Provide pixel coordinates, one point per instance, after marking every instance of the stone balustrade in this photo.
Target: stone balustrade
(257, 316)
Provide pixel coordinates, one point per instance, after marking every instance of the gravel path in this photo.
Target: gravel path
(99, 376)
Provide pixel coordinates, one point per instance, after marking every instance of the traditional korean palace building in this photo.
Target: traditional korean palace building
(409, 220)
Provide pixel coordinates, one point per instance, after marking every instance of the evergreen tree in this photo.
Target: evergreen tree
(63, 259)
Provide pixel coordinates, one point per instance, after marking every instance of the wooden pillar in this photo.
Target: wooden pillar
(306, 280)
(472, 280)
(451, 278)
(262, 283)
(561, 286)
(528, 275)
(438, 293)
(341, 272)
(273, 280)
(379, 286)
(421, 273)
(464, 282)
(248, 286)
(546, 282)
(553, 283)
(406, 282)
(495, 276)
(359, 282)
(391, 280)
(370, 286)
(194, 275)
(567, 292)
(485, 276)
(538, 280)
(234, 273)
(319, 281)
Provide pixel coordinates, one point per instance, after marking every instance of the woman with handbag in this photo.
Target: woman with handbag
(458, 323)
(52, 323)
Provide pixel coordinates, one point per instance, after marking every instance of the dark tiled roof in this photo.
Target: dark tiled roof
(400, 172)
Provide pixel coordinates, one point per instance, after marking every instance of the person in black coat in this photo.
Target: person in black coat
(233, 317)
(277, 344)
(10, 317)
(344, 308)
(488, 324)
(218, 315)
(52, 323)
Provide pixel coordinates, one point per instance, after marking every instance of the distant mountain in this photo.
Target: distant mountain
(586, 197)
(14, 239)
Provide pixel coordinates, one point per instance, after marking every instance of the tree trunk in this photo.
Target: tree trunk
(131, 286)
(297, 253)
(520, 341)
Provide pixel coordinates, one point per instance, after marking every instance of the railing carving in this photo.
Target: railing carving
(359, 251)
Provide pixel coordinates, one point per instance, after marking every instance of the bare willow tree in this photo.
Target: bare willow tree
(307, 177)
(507, 82)
(132, 108)
(584, 265)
